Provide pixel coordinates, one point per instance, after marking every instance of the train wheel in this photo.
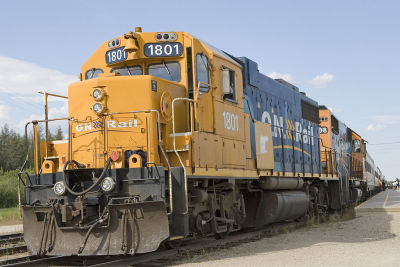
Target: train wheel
(223, 228)
(319, 199)
(173, 244)
(221, 235)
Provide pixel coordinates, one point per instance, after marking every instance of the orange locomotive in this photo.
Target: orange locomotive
(171, 138)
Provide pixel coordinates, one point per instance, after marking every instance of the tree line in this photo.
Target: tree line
(13, 147)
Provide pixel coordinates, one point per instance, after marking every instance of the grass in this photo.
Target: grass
(10, 216)
(347, 214)
(9, 189)
(9, 212)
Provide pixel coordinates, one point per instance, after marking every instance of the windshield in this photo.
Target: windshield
(128, 70)
(166, 70)
(93, 73)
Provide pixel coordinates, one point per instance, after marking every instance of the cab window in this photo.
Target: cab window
(93, 73)
(166, 70)
(230, 93)
(128, 70)
(356, 146)
(323, 119)
(202, 74)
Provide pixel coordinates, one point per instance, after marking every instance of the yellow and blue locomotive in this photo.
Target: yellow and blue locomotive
(171, 138)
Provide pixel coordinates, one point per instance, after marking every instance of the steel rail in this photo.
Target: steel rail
(33, 261)
(11, 238)
(16, 260)
(13, 249)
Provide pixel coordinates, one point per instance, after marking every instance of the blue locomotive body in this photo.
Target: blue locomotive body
(293, 116)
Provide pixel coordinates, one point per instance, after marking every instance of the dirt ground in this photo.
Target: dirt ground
(370, 239)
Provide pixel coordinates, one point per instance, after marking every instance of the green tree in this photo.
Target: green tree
(59, 134)
(11, 149)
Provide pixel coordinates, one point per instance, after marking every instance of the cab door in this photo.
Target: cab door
(204, 108)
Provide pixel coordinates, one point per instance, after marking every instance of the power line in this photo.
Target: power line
(381, 144)
(384, 151)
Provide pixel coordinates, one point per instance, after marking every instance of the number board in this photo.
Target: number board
(323, 130)
(172, 49)
(116, 55)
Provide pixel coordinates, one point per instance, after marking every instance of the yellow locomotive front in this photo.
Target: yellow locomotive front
(106, 189)
(124, 99)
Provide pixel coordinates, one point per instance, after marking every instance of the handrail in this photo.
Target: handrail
(55, 119)
(248, 106)
(21, 170)
(46, 114)
(191, 101)
(26, 137)
(197, 92)
(283, 153)
(356, 165)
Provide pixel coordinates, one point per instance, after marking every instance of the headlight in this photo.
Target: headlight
(98, 94)
(98, 108)
(108, 184)
(59, 188)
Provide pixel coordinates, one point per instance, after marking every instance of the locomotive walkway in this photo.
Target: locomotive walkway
(386, 201)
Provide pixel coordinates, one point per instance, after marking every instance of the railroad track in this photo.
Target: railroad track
(18, 248)
(11, 238)
(162, 256)
(12, 244)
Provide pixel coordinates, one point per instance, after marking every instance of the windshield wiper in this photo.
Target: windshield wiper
(92, 73)
(129, 71)
(165, 65)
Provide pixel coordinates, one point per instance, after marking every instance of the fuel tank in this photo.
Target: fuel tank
(267, 207)
(356, 194)
(275, 183)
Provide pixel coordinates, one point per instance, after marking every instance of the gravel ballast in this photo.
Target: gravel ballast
(370, 239)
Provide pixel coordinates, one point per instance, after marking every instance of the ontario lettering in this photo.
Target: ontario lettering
(111, 124)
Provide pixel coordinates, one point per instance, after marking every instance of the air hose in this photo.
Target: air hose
(102, 218)
(83, 245)
(102, 175)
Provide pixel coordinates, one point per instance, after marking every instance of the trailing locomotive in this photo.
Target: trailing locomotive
(171, 138)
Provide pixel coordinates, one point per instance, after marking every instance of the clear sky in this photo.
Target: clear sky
(344, 54)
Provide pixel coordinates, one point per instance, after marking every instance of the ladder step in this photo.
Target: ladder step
(179, 150)
(180, 134)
